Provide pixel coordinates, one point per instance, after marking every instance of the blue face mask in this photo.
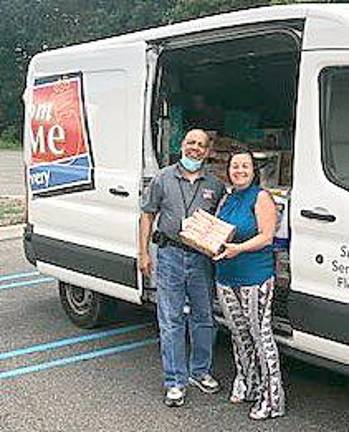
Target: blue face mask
(191, 165)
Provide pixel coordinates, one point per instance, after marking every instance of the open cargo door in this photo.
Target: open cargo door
(84, 126)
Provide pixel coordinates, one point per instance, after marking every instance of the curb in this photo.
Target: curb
(11, 232)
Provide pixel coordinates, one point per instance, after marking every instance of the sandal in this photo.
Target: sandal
(254, 415)
(257, 413)
(235, 400)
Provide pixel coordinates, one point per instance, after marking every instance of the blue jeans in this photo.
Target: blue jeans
(184, 275)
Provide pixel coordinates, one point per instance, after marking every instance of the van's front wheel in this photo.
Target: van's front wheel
(85, 308)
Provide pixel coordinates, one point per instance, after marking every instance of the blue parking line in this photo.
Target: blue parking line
(77, 358)
(25, 283)
(18, 275)
(72, 341)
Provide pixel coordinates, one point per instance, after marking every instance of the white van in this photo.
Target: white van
(103, 117)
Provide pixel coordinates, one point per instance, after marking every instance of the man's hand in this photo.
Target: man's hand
(144, 259)
(231, 251)
(145, 264)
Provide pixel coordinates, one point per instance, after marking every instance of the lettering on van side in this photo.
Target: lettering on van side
(340, 268)
(40, 179)
(61, 157)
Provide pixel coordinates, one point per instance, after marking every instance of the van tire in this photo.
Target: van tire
(85, 308)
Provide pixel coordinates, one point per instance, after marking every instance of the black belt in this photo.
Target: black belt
(162, 240)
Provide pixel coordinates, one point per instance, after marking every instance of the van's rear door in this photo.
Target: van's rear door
(319, 299)
(83, 151)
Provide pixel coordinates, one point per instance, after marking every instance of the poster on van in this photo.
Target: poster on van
(61, 156)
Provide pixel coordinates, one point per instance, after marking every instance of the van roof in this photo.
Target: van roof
(327, 16)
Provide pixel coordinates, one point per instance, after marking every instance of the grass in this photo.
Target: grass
(11, 211)
(8, 144)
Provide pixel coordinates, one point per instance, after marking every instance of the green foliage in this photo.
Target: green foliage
(28, 27)
(187, 9)
(9, 138)
(9, 145)
(9, 134)
(12, 210)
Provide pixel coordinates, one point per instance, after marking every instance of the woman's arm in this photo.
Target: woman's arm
(266, 216)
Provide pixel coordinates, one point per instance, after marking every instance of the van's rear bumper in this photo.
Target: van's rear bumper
(28, 243)
(98, 263)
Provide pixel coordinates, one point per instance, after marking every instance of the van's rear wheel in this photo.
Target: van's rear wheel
(85, 308)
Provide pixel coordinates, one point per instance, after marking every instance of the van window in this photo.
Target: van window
(334, 88)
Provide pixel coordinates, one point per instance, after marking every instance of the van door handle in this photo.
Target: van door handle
(322, 217)
(119, 192)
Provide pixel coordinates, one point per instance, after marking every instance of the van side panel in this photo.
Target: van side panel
(94, 231)
(319, 300)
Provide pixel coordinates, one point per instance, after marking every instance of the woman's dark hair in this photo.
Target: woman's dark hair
(241, 149)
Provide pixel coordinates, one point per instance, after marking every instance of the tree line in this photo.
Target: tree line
(32, 26)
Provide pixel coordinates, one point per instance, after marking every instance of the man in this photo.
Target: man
(182, 273)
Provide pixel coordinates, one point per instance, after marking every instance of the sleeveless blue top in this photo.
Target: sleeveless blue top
(247, 268)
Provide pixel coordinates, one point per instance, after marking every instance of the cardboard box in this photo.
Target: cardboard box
(282, 263)
(206, 233)
(219, 170)
(223, 144)
(285, 177)
(282, 201)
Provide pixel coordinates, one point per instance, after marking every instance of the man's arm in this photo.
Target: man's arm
(150, 207)
(145, 231)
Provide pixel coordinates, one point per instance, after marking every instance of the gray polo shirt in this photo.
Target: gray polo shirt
(174, 197)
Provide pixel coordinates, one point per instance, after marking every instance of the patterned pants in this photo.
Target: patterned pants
(247, 311)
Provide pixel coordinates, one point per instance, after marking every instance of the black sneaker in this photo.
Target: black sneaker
(175, 397)
(206, 383)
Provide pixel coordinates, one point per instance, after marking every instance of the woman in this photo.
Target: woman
(245, 283)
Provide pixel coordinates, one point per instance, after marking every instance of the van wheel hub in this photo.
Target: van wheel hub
(79, 299)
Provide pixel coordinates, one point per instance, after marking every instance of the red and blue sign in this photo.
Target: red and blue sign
(61, 157)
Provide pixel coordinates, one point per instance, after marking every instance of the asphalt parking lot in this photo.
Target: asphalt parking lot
(55, 377)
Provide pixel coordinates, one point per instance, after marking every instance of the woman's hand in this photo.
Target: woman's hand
(231, 251)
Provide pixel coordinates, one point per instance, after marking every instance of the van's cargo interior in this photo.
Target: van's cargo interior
(244, 91)
(248, 86)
